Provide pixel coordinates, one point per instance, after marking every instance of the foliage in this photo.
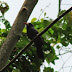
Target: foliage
(3, 32)
(3, 7)
(48, 69)
(61, 32)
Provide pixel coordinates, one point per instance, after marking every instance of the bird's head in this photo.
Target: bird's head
(29, 24)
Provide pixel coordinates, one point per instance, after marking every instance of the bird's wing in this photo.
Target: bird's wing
(34, 30)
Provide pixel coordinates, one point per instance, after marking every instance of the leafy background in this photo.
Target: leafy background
(59, 35)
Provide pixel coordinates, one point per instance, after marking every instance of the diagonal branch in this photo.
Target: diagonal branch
(49, 26)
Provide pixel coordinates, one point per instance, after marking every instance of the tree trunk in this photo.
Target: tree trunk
(16, 30)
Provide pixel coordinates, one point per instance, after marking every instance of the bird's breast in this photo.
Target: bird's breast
(31, 33)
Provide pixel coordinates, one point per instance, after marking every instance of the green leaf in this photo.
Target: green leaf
(47, 17)
(25, 30)
(58, 47)
(44, 14)
(48, 69)
(64, 42)
(41, 9)
(42, 19)
(7, 24)
(51, 31)
(22, 42)
(50, 57)
(34, 19)
(4, 30)
(16, 70)
(41, 29)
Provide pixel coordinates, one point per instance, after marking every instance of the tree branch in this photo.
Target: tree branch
(16, 30)
(49, 26)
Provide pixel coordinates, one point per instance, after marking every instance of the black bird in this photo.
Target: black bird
(31, 33)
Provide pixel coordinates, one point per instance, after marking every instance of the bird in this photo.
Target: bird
(31, 33)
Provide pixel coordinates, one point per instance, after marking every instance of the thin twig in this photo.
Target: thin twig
(65, 53)
(49, 26)
(43, 11)
(65, 62)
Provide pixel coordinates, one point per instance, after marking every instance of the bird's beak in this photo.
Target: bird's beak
(26, 23)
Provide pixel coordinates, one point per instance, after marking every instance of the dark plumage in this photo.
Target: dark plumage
(31, 33)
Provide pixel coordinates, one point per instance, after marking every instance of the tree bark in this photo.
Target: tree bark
(16, 30)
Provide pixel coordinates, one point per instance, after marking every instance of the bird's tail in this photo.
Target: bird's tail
(40, 52)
